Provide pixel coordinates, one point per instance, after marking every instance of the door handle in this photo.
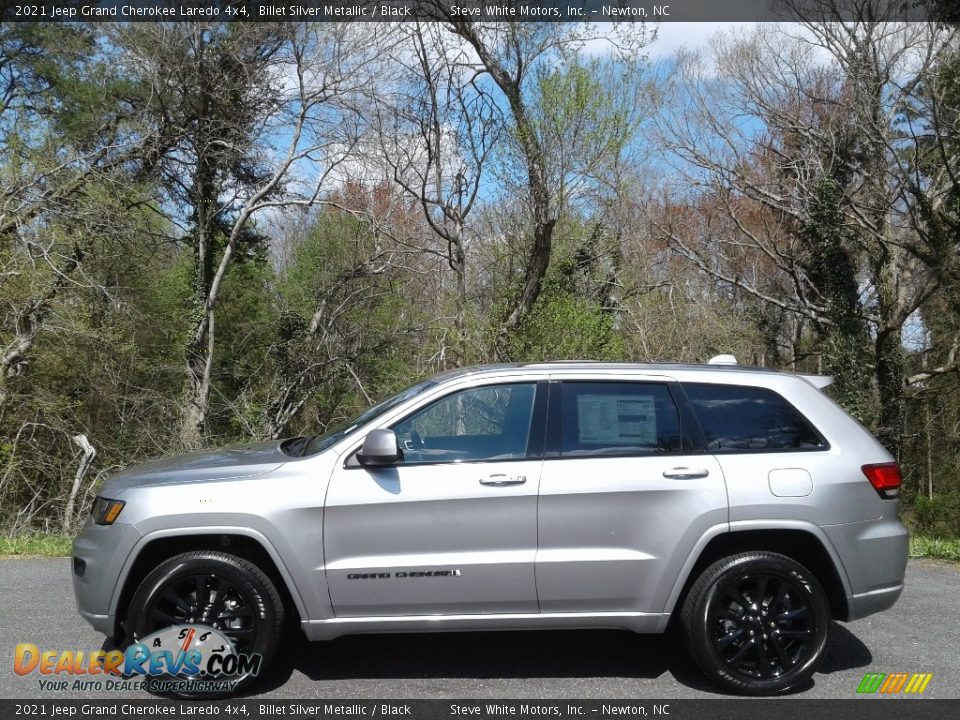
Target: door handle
(682, 473)
(501, 480)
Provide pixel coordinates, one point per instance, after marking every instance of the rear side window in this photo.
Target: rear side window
(609, 419)
(745, 419)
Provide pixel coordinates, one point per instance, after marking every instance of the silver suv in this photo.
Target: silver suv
(741, 503)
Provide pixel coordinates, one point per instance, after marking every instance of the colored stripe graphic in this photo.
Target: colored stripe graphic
(918, 683)
(890, 684)
(894, 682)
(871, 682)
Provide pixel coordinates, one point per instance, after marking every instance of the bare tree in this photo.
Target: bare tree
(324, 343)
(258, 121)
(64, 138)
(820, 156)
(518, 57)
(437, 134)
(930, 189)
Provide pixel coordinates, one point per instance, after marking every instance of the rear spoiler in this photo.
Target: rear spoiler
(819, 381)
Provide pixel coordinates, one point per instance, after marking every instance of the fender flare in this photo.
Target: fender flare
(258, 537)
(744, 525)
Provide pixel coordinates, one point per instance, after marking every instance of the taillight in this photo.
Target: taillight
(885, 478)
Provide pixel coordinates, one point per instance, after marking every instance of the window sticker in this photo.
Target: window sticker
(617, 419)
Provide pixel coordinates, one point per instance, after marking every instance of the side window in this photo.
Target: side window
(617, 418)
(483, 423)
(744, 419)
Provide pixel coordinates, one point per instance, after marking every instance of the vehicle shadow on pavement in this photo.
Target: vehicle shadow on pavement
(544, 654)
(844, 651)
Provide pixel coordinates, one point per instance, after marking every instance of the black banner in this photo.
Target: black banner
(504, 10)
(719, 709)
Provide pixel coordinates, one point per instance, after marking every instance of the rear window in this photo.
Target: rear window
(750, 419)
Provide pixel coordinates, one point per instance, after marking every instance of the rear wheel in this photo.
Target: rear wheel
(756, 623)
(211, 589)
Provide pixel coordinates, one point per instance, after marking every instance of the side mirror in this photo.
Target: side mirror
(380, 448)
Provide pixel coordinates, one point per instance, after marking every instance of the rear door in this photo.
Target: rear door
(452, 529)
(624, 496)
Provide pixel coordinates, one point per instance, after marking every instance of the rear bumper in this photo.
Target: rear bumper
(868, 603)
(874, 556)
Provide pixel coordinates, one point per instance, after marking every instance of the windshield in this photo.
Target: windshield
(319, 443)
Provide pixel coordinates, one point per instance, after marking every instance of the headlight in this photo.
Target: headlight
(105, 511)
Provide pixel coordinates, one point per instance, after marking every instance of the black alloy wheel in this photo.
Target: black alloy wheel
(756, 623)
(762, 625)
(214, 589)
(207, 599)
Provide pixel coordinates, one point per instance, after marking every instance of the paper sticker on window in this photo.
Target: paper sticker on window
(617, 419)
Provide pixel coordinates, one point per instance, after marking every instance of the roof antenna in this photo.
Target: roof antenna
(722, 360)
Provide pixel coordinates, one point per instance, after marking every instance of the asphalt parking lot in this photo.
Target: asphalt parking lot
(920, 634)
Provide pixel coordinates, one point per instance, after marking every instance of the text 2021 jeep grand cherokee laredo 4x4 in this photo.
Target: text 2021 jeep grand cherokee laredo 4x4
(743, 501)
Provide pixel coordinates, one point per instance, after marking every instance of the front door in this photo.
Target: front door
(452, 528)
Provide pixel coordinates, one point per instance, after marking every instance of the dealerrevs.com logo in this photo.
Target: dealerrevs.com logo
(894, 683)
(181, 659)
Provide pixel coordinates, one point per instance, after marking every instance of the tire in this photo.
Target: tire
(252, 618)
(756, 623)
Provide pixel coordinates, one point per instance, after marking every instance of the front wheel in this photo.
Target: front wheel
(204, 590)
(756, 623)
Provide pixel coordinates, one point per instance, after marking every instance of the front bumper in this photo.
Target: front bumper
(103, 550)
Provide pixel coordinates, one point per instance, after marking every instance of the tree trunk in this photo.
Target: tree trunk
(833, 269)
(197, 402)
(199, 348)
(29, 322)
(458, 264)
(193, 417)
(89, 453)
(535, 267)
(889, 353)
